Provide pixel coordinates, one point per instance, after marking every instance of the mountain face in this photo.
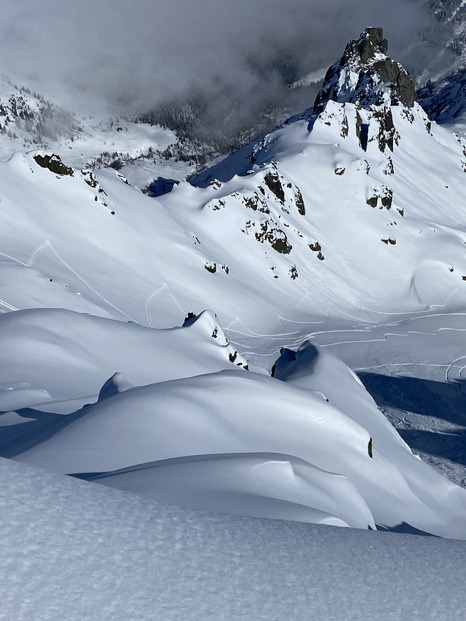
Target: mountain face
(27, 115)
(333, 244)
(361, 172)
(442, 88)
(445, 101)
(452, 15)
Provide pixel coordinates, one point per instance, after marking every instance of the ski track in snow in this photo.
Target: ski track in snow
(48, 245)
(413, 314)
(455, 380)
(3, 254)
(264, 337)
(149, 300)
(164, 287)
(8, 306)
(449, 367)
(272, 343)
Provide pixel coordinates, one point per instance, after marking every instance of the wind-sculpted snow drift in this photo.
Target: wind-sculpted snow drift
(310, 449)
(340, 222)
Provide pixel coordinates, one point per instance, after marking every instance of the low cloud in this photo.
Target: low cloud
(144, 52)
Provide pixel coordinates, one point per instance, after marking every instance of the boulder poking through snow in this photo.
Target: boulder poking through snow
(54, 164)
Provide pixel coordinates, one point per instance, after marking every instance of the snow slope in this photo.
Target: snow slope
(82, 352)
(326, 434)
(334, 228)
(79, 551)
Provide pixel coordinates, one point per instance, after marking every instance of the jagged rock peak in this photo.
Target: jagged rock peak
(365, 75)
(370, 43)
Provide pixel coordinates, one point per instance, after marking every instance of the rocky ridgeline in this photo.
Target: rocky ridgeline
(364, 113)
(365, 75)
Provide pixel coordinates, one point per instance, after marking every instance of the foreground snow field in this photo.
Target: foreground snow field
(77, 551)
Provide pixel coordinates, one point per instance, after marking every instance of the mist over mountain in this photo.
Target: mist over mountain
(212, 69)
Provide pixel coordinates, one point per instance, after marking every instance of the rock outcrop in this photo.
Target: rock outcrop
(365, 75)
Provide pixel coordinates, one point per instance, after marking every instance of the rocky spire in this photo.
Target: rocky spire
(365, 75)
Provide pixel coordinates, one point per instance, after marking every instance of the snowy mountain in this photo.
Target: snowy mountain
(143, 153)
(200, 347)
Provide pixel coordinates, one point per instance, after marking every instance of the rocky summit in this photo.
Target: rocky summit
(365, 74)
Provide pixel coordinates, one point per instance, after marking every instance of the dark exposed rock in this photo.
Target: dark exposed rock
(389, 168)
(344, 128)
(370, 42)
(251, 202)
(316, 247)
(276, 238)
(393, 73)
(387, 132)
(54, 164)
(385, 194)
(189, 319)
(211, 267)
(387, 200)
(273, 183)
(255, 203)
(300, 203)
